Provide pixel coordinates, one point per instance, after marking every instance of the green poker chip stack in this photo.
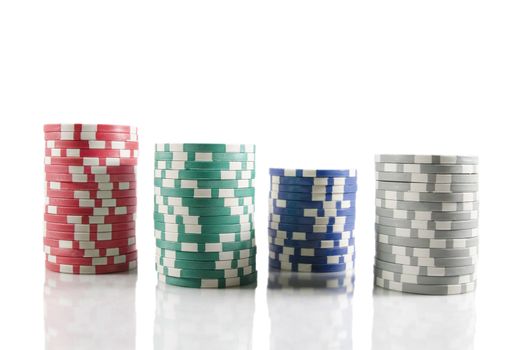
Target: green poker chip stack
(203, 215)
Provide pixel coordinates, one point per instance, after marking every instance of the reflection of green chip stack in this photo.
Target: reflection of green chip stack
(203, 214)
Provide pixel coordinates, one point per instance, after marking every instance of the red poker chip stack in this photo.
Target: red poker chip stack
(90, 189)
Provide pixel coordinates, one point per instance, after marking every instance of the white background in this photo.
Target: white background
(313, 84)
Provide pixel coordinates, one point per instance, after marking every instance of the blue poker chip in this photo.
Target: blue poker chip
(311, 244)
(314, 181)
(299, 196)
(312, 228)
(333, 259)
(309, 236)
(311, 173)
(312, 212)
(313, 204)
(302, 220)
(314, 188)
(299, 267)
(311, 251)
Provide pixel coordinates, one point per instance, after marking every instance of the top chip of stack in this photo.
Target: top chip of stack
(203, 217)
(426, 223)
(311, 220)
(90, 198)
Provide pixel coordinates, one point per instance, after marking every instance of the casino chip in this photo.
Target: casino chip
(311, 220)
(90, 213)
(203, 215)
(426, 223)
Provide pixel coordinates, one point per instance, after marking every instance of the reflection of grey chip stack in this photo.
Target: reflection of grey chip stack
(426, 223)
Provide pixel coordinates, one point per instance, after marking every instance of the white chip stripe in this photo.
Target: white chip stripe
(194, 184)
(223, 174)
(224, 237)
(228, 202)
(229, 148)
(181, 165)
(319, 181)
(195, 220)
(229, 255)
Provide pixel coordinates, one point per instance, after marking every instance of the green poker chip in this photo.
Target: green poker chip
(197, 165)
(210, 282)
(206, 220)
(204, 202)
(206, 156)
(205, 247)
(207, 265)
(207, 256)
(188, 273)
(205, 192)
(204, 229)
(205, 174)
(174, 183)
(209, 238)
(213, 211)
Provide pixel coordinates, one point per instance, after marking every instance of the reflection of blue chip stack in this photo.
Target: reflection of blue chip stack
(426, 223)
(203, 216)
(311, 221)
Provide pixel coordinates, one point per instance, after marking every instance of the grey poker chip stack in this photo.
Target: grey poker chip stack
(426, 223)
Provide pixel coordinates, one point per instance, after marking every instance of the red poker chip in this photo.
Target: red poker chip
(91, 203)
(83, 269)
(57, 210)
(98, 186)
(90, 194)
(91, 236)
(95, 170)
(82, 178)
(96, 145)
(89, 136)
(122, 226)
(95, 153)
(90, 161)
(89, 253)
(90, 127)
(76, 219)
(107, 260)
(88, 245)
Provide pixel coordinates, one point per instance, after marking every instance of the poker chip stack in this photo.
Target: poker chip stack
(426, 223)
(203, 216)
(90, 198)
(311, 220)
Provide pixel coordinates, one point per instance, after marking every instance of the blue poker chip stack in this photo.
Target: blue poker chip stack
(312, 219)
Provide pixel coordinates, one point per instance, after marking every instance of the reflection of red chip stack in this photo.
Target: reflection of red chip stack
(90, 190)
